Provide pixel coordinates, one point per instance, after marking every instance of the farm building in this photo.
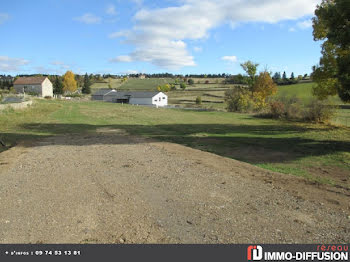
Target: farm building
(130, 97)
(142, 76)
(102, 95)
(40, 85)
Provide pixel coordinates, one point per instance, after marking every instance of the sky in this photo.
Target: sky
(141, 36)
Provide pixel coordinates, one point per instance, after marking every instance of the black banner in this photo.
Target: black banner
(236, 253)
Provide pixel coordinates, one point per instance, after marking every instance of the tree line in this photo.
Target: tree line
(276, 77)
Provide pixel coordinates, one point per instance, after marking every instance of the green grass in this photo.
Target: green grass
(116, 83)
(291, 148)
(148, 84)
(302, 91)
(213, 94)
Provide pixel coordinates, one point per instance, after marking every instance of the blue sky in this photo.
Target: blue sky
(177, 36)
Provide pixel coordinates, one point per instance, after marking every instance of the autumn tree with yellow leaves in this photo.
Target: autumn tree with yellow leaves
(252, 97)
(263, 87)
(69, 83)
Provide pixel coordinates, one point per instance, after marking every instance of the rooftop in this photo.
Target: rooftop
(126, 94)
(35, 80)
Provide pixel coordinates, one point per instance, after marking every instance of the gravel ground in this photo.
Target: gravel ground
(114, 188)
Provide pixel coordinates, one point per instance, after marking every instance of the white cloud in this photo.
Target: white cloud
(198, 49)
(231, 59)
(137, 2)
(110, 10)
(302, 25)
(45, 70)
(305, 24)
(129, 72)
(159, 35)
(8, 64)
(3, 18)
(122, 58)
(61, 65)
(88, 19)
(119, 34)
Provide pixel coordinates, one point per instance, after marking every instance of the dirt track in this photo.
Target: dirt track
(109, 188)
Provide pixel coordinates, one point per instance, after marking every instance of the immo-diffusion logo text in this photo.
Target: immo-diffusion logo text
(340, 253)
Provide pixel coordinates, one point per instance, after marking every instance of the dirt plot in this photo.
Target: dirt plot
(113, 188)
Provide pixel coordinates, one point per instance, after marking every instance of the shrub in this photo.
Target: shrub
(12, 90)
(238, 99)
(206, 82)
(293, 109)
(164, 88)
(317, 111)
(48, 97)
(74, 95)
(198, 100)
(190, 81)
(277, 109)
(183, 86)
(32, 93)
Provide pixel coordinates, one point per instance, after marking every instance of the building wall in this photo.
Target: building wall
(99, 98)
(160, 99)
(109, 98)
(47, 88)
(140, 101)
(28, 89)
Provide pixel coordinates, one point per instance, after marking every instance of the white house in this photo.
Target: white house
(131, 97)
(148, 98)
(39, 85)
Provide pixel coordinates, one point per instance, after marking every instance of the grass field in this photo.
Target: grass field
(317, 152)
(212, 94)
(148, 84)
(302, 91)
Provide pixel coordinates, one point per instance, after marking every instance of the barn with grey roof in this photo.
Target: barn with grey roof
(131, 97)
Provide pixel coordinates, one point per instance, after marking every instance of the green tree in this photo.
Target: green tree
(109, 83)
(250, 68)
(86, 85)
(277, 76)
(292, 77)
(198, 100)
(332, 26)
(58, 86)
(284, 76)
(183, 86)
